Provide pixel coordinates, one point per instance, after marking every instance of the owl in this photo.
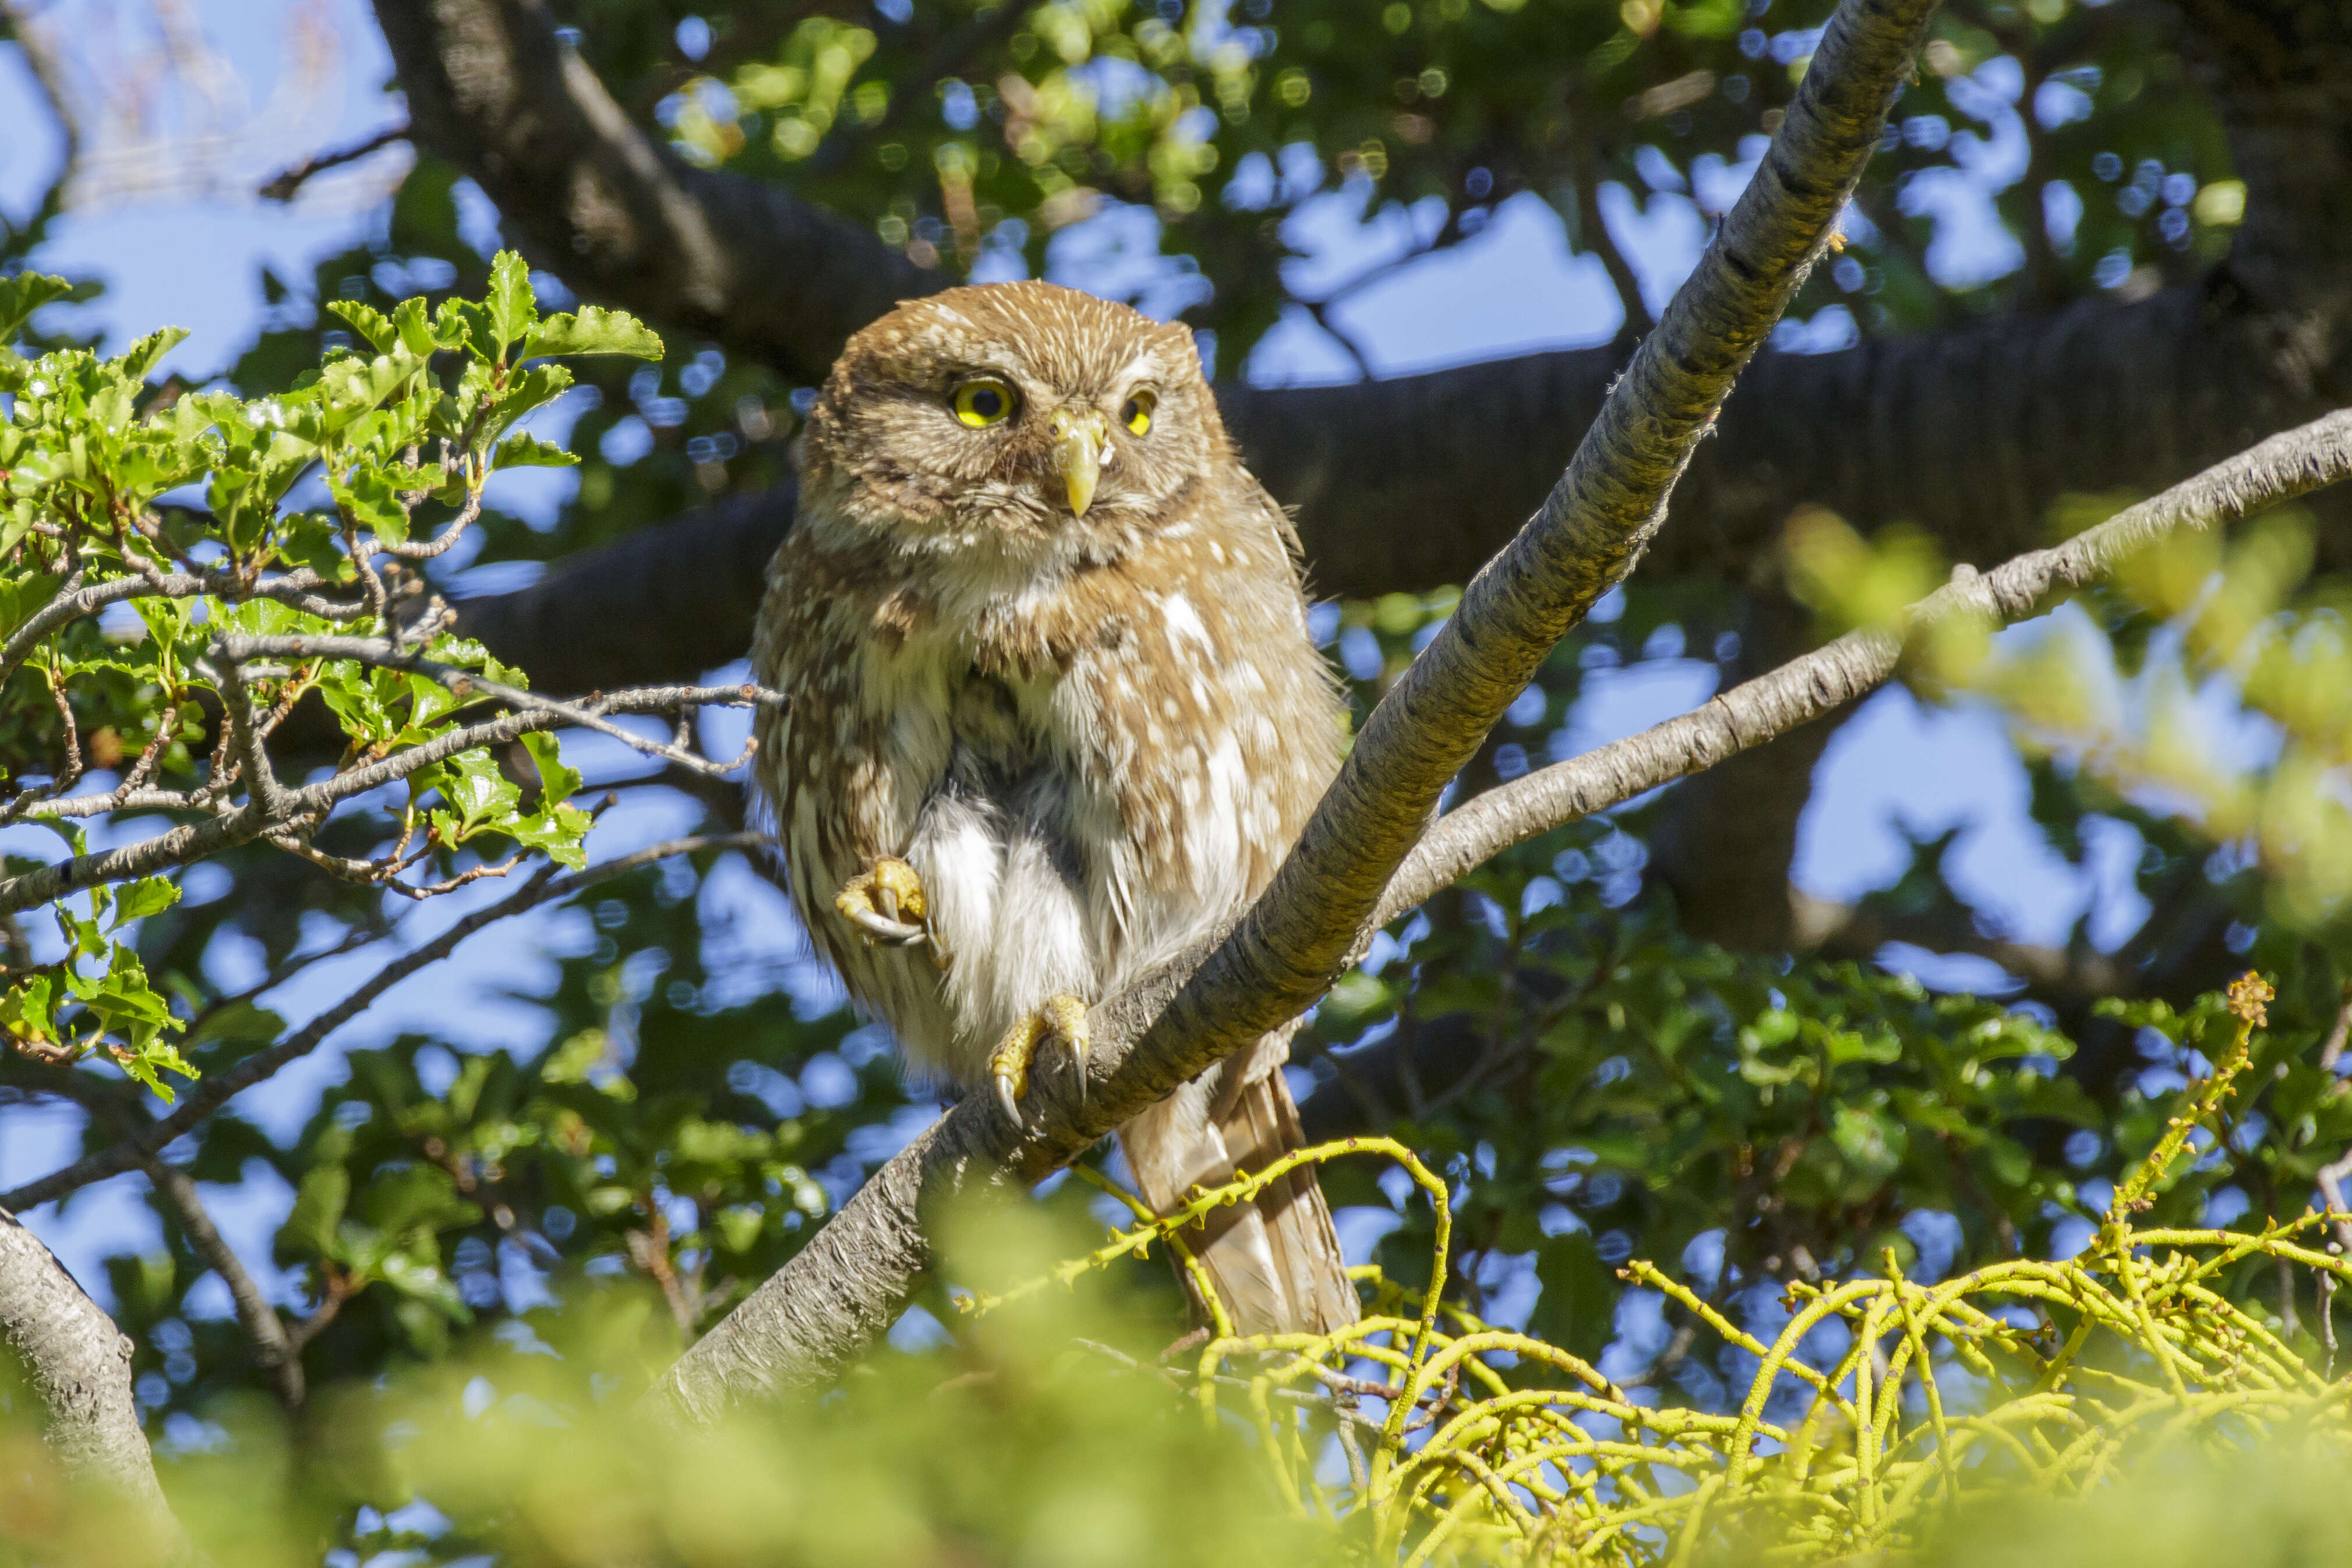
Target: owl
(1053, 715)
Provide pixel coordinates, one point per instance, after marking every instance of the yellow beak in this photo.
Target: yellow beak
(1080, 439)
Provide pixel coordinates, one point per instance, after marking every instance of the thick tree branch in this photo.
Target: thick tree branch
(799, 1327)
(619, 217)
(1413, 482)
(78, 1366)
(1407, 484)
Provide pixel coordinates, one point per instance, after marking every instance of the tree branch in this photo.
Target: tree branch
(1409, 483)
(191, 841)
(215, 1090)
(272, 1350)
(2293, 463)
(78, 1365)
(618, 216)
(830, 1300)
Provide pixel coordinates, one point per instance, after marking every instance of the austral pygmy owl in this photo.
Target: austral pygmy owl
(1053, 714)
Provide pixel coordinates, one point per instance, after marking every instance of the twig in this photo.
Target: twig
(391, 655)
(272, 1352)
(281, 186)
(215, 1090)
(195, 841)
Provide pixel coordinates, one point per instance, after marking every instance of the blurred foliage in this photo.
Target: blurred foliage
(663, 1104)
(1880, 1412)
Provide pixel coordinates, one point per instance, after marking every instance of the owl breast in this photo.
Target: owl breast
(1088, 769)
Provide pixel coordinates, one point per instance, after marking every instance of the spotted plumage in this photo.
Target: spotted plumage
(1045, 650)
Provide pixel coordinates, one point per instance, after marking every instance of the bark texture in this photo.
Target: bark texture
(78, 1366)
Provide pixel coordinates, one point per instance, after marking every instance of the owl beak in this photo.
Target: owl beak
(1080, 437)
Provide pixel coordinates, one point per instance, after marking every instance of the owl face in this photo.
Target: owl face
(1010, 412)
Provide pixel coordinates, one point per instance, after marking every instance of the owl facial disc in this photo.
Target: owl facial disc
(1081, 442)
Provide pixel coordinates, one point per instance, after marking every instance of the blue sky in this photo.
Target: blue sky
(189, 250)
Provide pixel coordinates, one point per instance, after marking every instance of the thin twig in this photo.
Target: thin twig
(271, 1350)
(190, 842)
(214, 1090)
(281, 186)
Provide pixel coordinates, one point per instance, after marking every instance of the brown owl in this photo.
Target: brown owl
(1053, 715)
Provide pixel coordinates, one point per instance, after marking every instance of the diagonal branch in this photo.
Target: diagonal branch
(272, 1350)
(842, 1289)
(215, 1090)
(2290, 463)
(621, 218)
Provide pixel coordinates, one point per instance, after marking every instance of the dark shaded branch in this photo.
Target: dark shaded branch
(665, 602)
(272, 1350)
(1407, 484)
(282, 186)
(621, 218)
(842, 1289)
(215, 1090)
(78, 1364)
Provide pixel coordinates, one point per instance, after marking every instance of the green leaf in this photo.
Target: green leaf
(319, 1204)
(425, 1282)
(355, 386)
(558, 782)
(370, 321)
(535, 388)
(137, 900)
(513, 308)
(592, 330)
(150, 1061)
(28, 1009)
(25, 293)
(415, 328)
(524, 450)
(560, 832)
(139, 360)
(21, 598)
(368, 499)
(481, 797)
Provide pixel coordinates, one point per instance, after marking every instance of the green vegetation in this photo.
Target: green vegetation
(1694, 1244)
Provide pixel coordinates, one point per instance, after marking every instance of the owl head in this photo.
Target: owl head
(1010, 412)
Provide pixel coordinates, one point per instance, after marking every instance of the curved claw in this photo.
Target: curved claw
(874, 898)
(1063, 1016)
(881, 928)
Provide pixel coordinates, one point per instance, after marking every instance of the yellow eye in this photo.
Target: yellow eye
(983, 402)
(1137, 414)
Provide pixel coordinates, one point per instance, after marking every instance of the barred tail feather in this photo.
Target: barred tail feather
(1275, 1262)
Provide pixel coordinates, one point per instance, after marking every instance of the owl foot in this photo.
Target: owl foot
(877, 900)
(1064, 1017)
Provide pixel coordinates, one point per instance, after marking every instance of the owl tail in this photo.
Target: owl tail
(1275, 1262)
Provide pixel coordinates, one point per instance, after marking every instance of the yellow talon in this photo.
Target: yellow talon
(1063, 1016)
(886, 901)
